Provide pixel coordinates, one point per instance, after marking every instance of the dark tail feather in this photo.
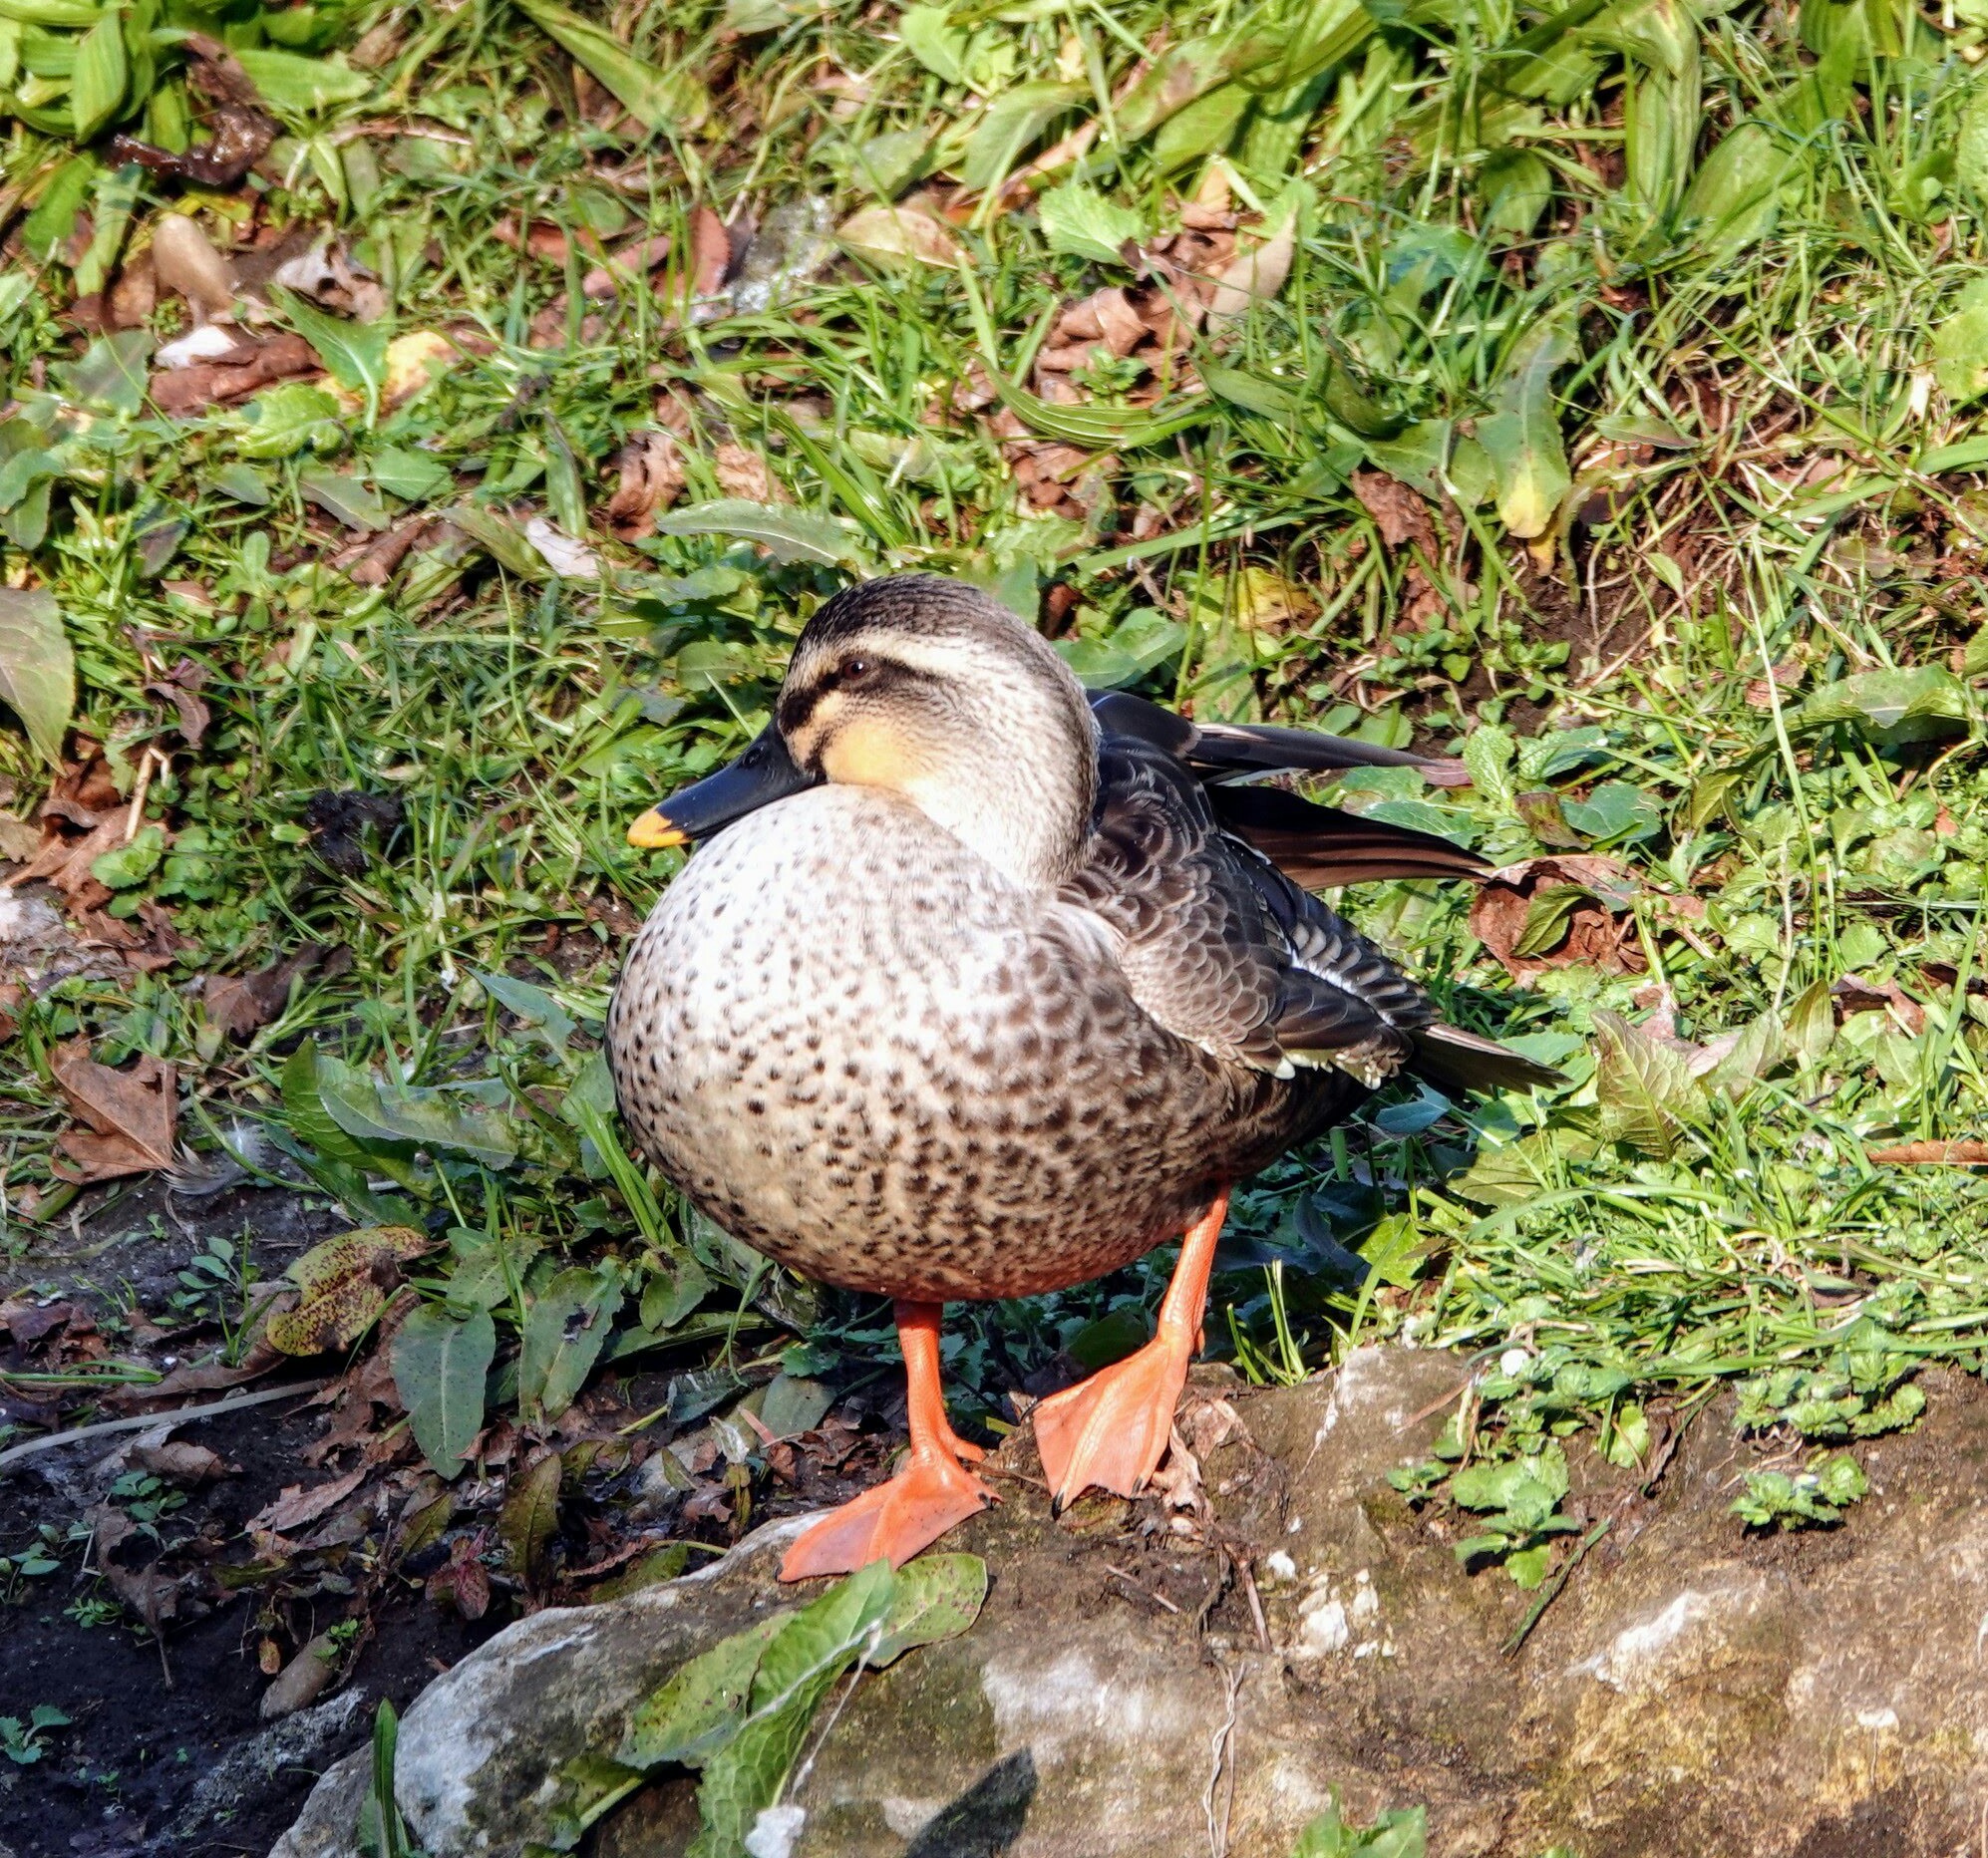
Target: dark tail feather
(1456, 1060)
(1320, 848)
(1219, 751)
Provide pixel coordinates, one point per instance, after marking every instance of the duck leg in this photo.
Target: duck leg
(1113, 1429)
(928, 1495)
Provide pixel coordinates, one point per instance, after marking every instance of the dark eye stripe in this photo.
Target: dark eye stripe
(876, 674)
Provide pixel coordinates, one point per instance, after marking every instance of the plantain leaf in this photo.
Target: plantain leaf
(652, 96)
(294, 87)
(1522, 436)
(935, 1597)
(529, 1515)
(1009, 124)
(563, 1333)
(370, 1110)
(810, 1651)
(701, 1707)
(440, 1366)
(102, 74)
(37, 667)
(785, 534)
(344, 1284)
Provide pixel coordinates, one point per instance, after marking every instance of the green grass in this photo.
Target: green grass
(1661, 316)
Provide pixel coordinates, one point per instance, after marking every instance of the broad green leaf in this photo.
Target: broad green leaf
(1416, 454)
(565, 1331)
(341, 494)
(244, 483)
(297, 86)
(534, 1004)
(934, 1596)
(343, 1284)
(1614, 811)
(354, 354)
(1970, 151)
(131, 863)
(111, 373)
(785, 534)
(37, 667)
(1641, 1086)
(102, 75)
(1517, 187)
(667, 1299)
(930, 36)
(701, 1707)
(1403, 1834)
(1253, 392)
(528, 1518)
(1884, 699)
(371, 1109)
(1080, 221)
(653, 97)
(439, 1366)
(291, 418)
(1009, 124)
(1522, 436)
(1960, 346)
(810, 1651)
(62, 198)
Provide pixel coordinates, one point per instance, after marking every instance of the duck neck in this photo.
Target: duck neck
(1027, 816)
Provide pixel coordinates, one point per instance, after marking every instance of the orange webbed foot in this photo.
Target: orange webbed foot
(1113, 1429)
(912, 1511)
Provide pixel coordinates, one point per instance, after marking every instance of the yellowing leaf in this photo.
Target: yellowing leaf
(1523, 435)
(37, 668)
(898, 232)
(345, 1282)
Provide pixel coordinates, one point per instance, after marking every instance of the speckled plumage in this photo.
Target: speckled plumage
(873, 1051)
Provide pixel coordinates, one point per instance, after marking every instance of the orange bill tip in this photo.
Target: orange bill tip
(653, 831)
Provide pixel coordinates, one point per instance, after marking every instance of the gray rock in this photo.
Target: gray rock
(1692, 1689)
(245, 1772)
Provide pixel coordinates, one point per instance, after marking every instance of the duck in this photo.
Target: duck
(975, 986)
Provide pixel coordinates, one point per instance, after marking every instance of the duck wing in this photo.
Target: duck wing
(1320, 847)
(1225, 950)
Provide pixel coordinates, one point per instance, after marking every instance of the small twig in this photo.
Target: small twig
(1550, 1592)
(136, 816)
(1256, 1601)
(1156, 1598)
(183, 1416)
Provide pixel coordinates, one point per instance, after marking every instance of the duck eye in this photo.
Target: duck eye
(856, 668)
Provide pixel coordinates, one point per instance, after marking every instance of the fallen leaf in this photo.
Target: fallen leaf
(183, 390)
(1400, 515)
(184, 260)
(899, 232)
(569, 559)
(132, 1114)
(296, 1507)
(1257, 274)
(181, 1462)
(344, 1284)
(302, 1680)
(180, 687)
(37, 668)
(710, 253)
(242, 1004)
(627, 264)
(240, 134)
(1558, 912)
(651, 468)
(742, 472)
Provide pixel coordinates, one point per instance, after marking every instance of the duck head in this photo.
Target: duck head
(929, 690)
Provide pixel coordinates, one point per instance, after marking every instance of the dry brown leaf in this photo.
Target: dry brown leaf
(710, 253)
(1257, 274)
(242, 1004)
(296, 1507)
(188, 390)
(1561, 912)
(651, 467)
(179, 1461)
(132, 1115)
(743, 472)
(1400, 515)
(180, 687)
(630, 263)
